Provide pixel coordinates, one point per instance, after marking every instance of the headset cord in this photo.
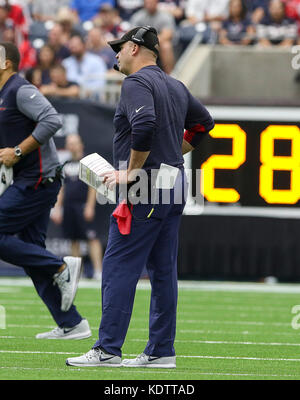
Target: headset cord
(60, 168)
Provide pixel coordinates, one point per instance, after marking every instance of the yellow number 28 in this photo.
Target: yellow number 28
(269, 163)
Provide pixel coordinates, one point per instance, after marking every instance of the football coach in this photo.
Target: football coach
(27, 125)
(150, 119)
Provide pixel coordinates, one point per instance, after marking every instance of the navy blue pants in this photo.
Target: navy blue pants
(152, 243)
(24, 218)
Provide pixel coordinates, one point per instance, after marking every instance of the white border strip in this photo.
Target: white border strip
(273, 212)
(139, 371)
(246, 113)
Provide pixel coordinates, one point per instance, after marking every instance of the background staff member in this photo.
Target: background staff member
(150, 119)
(28, 122)
(75, 208)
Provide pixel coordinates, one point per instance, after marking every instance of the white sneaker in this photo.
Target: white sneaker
(67, 281)
(79, 331)
(144, 361)
(95, 358)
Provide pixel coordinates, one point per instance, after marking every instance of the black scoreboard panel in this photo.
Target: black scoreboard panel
(248, 227)
(250, 163)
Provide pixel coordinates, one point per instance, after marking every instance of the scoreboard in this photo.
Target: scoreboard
(250, 161)
(246, 223)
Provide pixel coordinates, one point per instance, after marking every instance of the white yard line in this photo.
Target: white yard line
(177, 356)
(243, 333)
(179, 331)
(226, 342)
(182, 308)
(51, 326)
(216, 322)
(9, 289)
(34, 326)
(179, 321)
(188, 285)
(203, 322)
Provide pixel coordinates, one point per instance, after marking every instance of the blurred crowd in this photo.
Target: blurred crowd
(63, 43)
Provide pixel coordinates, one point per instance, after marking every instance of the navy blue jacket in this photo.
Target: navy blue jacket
(153, 112)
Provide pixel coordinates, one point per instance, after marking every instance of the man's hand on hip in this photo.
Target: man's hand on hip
(8, 157)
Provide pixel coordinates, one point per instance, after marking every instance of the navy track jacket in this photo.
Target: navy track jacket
(153, 112)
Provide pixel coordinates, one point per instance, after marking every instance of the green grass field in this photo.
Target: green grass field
(223, 332)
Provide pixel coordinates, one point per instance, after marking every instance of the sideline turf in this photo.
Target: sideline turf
(220, 335)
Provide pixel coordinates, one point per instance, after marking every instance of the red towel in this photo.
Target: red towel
(124, 217)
